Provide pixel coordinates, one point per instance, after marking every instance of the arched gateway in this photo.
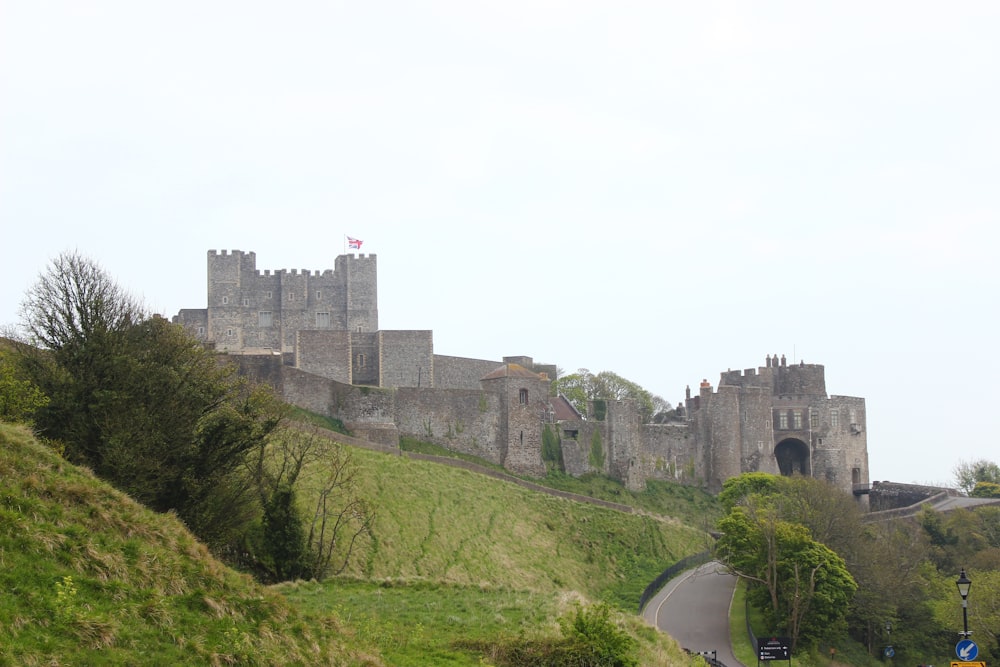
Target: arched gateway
(793, 457)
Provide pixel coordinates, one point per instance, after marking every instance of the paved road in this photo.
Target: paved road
(693, 608)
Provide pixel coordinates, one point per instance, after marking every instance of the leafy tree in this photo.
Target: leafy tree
(738, 490)
(803, 587)
(986, 490)
(969, 473)
(137, 400)
(20, 399)
(325, 537)
(584, 386)
(284, 536)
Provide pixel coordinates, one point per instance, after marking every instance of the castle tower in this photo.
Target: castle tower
(258, 312)
(523, 400)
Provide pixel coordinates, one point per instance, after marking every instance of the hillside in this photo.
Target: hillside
(460, 567)
(448, 524)
(91, 577)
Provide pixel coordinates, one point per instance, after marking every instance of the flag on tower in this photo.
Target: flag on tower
(353, 243)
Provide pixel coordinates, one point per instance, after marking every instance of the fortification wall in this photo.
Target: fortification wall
(324, 353)
(756, 430)
(460, 372)
(667, 453)
(463, 420)
(366, 363)
(892, 495)
(406, 358)
(576, 451)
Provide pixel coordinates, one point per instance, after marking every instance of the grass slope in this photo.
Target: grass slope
(91, 577)
(450, 525)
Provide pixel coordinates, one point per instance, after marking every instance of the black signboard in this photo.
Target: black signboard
(774, 648)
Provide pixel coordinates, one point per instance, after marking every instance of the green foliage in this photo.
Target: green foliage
(140, 402)
(736, 490)
(593, 639)
(969, 473)
(596, 455)
(986, 490)
(582, 386)
(551, 449)
(802, 585)
(20, 399)
(284, 536)
(93, 578)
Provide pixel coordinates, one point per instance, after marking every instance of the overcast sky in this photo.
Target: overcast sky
(665, 190)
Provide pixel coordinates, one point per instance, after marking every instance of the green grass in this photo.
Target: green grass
(418, 623)
(692, 505)
(91, 577)
(451, 525)
(322, 421)
(458, 563)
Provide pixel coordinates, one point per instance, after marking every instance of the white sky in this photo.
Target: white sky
(661, 189)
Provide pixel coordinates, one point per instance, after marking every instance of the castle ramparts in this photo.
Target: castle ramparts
(314, 336)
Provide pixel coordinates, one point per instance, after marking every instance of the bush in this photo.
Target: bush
(593, 640)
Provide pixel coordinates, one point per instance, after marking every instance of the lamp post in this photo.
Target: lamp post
(964, 584)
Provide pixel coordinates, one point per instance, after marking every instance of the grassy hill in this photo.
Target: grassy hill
(460, 569)
(451, 525)
(90, 577)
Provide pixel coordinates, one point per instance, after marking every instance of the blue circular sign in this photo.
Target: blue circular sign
(966, 650)
(889, 652)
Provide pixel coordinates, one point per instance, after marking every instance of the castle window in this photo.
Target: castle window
(797, 420)
(319, 295)
(246, 301)
(201, 331)
(522, 396)
(361, 361)
(782, 420)
(225, 301)
(270, 295)
(291, 296)
(814, 418)
(264, 319)
(855, 475)
(323, 320)
(229, 332)
(835, 418)
(359, 328)
(854, 417)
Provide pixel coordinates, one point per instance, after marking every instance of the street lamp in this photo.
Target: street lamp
(964, 584)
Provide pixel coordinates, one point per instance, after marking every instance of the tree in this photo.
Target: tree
(803, 587)
(322, 540)
(969, 473)
(20, 399)
(139, 401)
(584, 386)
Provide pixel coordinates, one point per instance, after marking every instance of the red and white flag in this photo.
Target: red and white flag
(353, 243)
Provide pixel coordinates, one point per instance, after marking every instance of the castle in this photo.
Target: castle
(314, 336)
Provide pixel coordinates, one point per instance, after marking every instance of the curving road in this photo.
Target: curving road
(693, 608)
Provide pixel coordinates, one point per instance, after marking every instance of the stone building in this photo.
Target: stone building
(314, 336)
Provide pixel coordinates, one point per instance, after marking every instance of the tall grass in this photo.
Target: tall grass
(91, 577)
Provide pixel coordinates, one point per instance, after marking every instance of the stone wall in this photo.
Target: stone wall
(406, 358)
(325, 353)
(463, 420)
(891, 495)
(461, 373)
